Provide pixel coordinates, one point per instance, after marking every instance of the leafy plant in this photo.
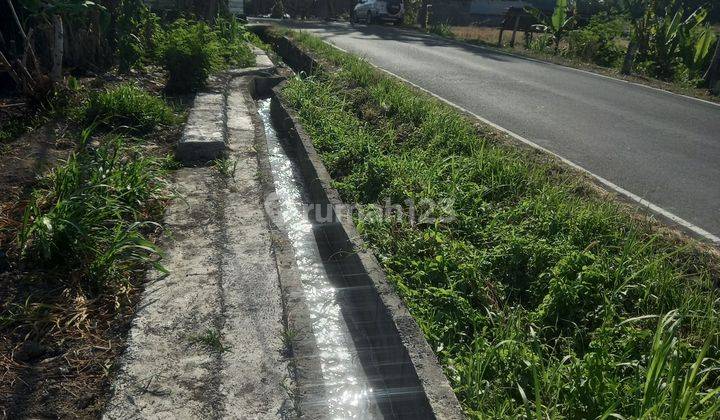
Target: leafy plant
(136, 27)
(676, 36)
(558, 24)
(127, 105)
(88, 214)
(668, 42)
(227, 167)
(234, 40)
(597, 42)
(190, 51)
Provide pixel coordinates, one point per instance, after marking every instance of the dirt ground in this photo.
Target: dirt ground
(58, 344)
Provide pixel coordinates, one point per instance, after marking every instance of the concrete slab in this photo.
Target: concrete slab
(262, 60)
(223, 278)
(203, 138)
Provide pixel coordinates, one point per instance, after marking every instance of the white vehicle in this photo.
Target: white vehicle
(371, 11)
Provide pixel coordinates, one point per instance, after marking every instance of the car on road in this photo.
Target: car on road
(372, 11)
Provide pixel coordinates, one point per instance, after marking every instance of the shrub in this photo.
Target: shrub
(234, 39)
(596, 42)
(190, 51)
(128, 105)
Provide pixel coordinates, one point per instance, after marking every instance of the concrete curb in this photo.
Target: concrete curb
(204, 136)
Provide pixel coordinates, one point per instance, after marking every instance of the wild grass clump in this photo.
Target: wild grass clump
(129, 106)
(90, 214)
(539, 298)
(443, 29)
(234, 39)
(191, 51)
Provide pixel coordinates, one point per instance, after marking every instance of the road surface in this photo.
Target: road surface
(662, 147)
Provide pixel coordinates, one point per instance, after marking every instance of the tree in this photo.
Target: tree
(28, 72)
(712, 75)
(637, 14)
(559, 24)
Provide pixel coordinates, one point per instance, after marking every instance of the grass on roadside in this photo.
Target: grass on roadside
(541, 298)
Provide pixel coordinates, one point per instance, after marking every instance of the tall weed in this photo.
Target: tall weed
(89, 213)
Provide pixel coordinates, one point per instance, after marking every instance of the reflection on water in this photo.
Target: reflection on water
(346, 386)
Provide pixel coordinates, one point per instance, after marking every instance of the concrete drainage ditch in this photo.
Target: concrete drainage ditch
(246, 263)
(373, 358)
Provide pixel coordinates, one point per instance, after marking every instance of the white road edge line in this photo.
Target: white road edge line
(634, 197)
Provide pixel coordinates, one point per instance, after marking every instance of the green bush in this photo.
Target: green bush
(234, 40)
(190, 52)
(128, 105)
(597, 42)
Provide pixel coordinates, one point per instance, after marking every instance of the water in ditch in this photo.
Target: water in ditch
(347, 389)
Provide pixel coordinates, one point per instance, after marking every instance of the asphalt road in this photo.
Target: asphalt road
(662, 147)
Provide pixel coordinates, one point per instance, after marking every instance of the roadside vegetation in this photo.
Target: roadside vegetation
(83, 184)
(670, 40)
(128, 105)
(542, 298)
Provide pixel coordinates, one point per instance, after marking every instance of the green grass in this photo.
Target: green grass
(129, 106)
(210, 339)
(90, 214)
(541, 299)
(227, 167)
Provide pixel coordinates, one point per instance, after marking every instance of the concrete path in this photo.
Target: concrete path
(659, 146)
(207, 338)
